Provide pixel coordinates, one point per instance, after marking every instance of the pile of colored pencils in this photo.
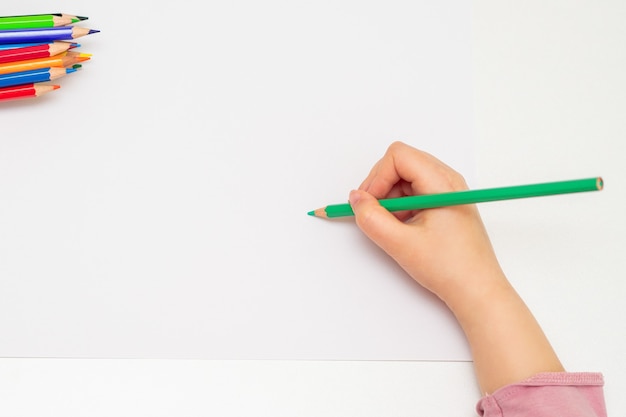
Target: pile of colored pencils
(36, 49)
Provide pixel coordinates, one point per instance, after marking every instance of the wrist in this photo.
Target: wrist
(506, 341)
(469, 294)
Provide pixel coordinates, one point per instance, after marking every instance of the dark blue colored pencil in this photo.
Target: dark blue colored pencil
(43, 35)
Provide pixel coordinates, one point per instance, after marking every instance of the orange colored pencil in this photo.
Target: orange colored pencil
(34, 52)
(65, 59)
(26, 91)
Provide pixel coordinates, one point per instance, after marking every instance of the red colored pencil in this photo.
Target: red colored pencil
(26, 91)
(33, 52)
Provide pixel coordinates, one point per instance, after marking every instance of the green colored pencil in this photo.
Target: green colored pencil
(36, 21)
(470, 196)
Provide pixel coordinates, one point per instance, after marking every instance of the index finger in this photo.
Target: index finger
(425, 173)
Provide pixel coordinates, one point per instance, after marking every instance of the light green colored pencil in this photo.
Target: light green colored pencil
(456, 198)
(38, 21)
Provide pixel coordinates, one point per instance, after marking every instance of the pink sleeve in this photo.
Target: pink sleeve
(548, 394)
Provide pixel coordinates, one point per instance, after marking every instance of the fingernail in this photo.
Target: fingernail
(354, 198)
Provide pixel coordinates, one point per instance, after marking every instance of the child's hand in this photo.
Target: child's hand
(447, 249)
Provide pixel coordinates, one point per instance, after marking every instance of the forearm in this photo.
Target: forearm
(507, 343)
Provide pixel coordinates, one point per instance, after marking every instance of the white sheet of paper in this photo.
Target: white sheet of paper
(156, 205)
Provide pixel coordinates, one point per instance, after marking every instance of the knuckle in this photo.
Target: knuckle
(395, 146)
(455, 180)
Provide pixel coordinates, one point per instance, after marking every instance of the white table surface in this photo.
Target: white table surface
(550, 102)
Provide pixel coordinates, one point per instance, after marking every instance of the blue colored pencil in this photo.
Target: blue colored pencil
(24, 45)
(44, 35)
(34, 76)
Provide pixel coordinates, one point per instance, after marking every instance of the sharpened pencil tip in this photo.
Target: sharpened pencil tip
(56, 87)
(320, 212)
(93, 31)
(82, 17)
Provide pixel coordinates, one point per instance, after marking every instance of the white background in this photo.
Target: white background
(549, 101)
(166, 217)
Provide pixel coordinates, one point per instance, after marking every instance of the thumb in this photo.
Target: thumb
(382, 227)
